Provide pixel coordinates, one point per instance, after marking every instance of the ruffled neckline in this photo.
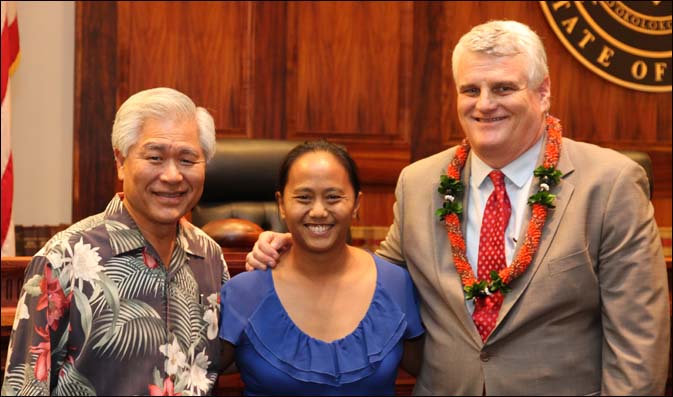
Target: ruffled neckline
(274, 335)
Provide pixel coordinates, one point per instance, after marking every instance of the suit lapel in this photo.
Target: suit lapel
(563, 192)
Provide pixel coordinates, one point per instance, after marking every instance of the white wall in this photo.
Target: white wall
(42, 113)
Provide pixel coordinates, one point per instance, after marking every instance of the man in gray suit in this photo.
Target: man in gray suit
(538, 262)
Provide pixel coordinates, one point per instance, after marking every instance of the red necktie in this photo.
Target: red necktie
(492, 253)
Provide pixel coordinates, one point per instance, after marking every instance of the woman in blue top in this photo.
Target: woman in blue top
(330, 319)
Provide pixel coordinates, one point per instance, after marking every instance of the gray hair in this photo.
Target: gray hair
(160, 103)
(505, 38)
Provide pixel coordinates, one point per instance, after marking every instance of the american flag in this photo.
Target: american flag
(10, 59)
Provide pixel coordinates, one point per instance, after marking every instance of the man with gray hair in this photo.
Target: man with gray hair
(537, 258)
(125, 302)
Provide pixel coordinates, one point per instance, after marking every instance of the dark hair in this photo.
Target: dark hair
(321, 145)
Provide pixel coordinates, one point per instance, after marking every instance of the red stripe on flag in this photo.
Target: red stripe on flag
(10, 50)
(10, 58)
(7, 193)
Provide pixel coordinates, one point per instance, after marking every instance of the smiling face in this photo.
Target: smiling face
(501, 113)
(318, 202)
(163, 173)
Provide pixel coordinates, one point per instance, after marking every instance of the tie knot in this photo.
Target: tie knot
(498, 179)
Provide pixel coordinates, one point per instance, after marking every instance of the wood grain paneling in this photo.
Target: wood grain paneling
(94, 175)
(376, 207)
(266, 118)
(348, 70)
(427, 91)
(200, 48)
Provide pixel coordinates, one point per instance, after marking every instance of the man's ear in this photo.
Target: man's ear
(356, 207)
(119, 162)
(281, 208)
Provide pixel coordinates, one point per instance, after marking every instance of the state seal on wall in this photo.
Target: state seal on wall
(625, 42)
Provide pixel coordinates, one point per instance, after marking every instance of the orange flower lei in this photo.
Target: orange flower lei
(540, 201)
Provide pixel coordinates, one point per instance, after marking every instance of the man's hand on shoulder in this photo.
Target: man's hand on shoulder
(268, 248)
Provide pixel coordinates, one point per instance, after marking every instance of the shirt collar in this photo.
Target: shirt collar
(518, 171)
(125, 235)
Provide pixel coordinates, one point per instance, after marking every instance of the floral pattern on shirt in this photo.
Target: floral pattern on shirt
(100, 314)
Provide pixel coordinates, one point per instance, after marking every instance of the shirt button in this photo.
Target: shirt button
(484, 356)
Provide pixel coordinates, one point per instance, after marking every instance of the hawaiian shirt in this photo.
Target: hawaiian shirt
(100, 314)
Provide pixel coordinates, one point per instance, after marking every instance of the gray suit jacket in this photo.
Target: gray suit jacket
(590, 314)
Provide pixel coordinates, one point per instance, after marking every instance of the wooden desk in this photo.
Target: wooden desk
(12, 281)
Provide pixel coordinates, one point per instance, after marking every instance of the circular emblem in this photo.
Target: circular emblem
(625, 42)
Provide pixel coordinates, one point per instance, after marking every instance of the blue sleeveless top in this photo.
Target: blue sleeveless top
(275, 357)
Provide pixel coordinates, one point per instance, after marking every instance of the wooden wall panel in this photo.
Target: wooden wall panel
(376, 207)
(375, 76)
(94, 174)
(200, 48)
(348, 69)
(266, 118)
